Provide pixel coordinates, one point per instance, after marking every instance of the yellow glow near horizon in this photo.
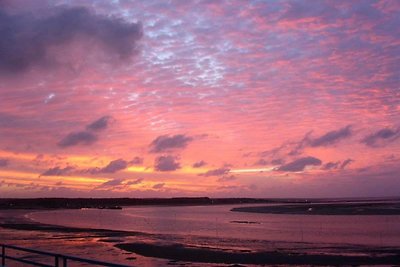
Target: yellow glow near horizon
(139, 169)
(27, 176)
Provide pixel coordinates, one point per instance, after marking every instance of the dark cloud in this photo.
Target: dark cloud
(57, 171)
(115, 166)
(331, 137)
(158, 186)
(99, 124)
(27, 38)
(137, 181)
(300, 164)
(3, 162)
(345, 163)
(216, 172)
(136, 161)
(166, 163)
(78, 138)
(199, 164)
(165, 143)
(381, 137)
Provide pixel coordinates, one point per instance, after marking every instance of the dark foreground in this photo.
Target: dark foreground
(177, 253)
(182, 253)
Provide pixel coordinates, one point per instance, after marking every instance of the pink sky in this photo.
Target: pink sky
(199, 98)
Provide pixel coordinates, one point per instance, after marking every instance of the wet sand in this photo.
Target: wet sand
(135, 248)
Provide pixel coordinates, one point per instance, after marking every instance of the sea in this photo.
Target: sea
(219, 222)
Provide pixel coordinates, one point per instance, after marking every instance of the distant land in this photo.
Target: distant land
(332, 208)
(78, 203)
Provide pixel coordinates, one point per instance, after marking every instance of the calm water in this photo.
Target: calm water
(217, 222)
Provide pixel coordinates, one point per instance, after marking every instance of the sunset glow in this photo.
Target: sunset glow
(199, 98)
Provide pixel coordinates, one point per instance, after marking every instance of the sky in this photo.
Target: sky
(266, 99)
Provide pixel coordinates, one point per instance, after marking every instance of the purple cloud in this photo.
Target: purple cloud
(78, 138)
(331, 137)
(199, 164)
(112, 183)
(136, 161)
(57, 171)
(381, 137)
(165, 143)
(166, 163)
(115, 166)
(331, 165)
(300, 164)
(27, 38)
(99, 124)
(137, 181)
(345, 163)
(216, 172)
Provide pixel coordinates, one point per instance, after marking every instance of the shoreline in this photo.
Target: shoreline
(291, 253)
(348, 209)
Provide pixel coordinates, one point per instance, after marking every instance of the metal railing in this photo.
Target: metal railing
(59, 260)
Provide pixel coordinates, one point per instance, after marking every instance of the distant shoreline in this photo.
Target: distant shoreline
(380, 208)
(78, 203)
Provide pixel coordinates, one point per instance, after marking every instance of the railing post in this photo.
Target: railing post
(3, 255)
(56, 260)
(64, 262)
